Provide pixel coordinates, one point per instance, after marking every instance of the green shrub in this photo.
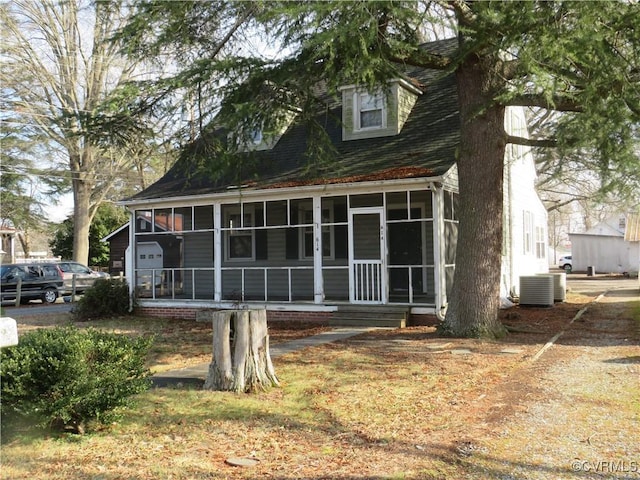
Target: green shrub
(65, 377)
(106, 298)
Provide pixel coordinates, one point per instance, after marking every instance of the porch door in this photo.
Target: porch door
(367, 254)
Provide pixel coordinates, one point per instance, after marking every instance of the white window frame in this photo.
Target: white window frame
(360, 99)
(540, 243)
(246, 229)
(308, 229)
(527, 232)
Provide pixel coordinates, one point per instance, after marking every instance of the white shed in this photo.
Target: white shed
(612, 246)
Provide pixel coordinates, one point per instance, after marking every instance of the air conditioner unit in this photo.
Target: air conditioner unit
(559, 286)
(537, 290)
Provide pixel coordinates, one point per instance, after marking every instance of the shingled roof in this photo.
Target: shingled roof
(426, 147)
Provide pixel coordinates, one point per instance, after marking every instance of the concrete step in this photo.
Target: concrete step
(369, 316)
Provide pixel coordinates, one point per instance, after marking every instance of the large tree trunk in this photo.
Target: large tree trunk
(475, 297)
(81, 213)
(241, 364)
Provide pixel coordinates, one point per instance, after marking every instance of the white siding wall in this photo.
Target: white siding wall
(525, 234)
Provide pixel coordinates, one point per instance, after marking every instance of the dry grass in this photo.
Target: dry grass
(389, 404)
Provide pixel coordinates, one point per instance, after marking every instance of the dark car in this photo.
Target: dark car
(84, 277)
(37, 281)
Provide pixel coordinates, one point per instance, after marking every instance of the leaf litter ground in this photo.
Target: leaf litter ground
(387, 404)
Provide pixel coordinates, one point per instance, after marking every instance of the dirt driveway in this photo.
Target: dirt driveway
(574, 411)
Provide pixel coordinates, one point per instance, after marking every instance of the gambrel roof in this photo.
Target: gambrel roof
(425, 147)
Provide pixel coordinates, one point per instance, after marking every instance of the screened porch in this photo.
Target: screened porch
(389, 247)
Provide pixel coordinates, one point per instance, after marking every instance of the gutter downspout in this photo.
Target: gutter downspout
(438, 250)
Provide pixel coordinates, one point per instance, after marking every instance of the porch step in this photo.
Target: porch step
(369, 316)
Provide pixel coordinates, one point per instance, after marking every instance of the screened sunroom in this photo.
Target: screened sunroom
(317, 246)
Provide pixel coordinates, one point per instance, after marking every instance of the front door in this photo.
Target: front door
(368, 272)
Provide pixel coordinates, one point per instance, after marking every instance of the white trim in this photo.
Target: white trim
(439, 270)
(205, 304)
(380, 211)
(400, 81)
(303, 191)
(217, 252)
(318, 283)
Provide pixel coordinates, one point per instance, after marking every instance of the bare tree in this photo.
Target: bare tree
(59, 69)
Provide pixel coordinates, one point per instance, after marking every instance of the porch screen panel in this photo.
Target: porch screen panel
(399, 284)
(423, 283)
(367, 200)
(143, 221)
(302, 284)
(163, 220)
(198, 249)
(232, 285)
(451, 241)
(278, 285)
(203, 217)
(277, 213)
(397, 203)
(183, 219)
(203, 281)
(254, 283)
(336, 284)
(198, 254)
(448, 273)
(366, 245)
(421, 203)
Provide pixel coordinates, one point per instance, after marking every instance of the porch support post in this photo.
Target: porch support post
(217, 253)
(437, 194)
(130, 260)
(318, 283)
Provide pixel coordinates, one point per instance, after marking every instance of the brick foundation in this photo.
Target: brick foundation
(321, 318)
(168, 312)
(422, 320)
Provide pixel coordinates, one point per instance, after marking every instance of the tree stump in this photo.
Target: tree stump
(241, 363)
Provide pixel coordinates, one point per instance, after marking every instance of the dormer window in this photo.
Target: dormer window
(381, 113)
(256, 136)
(371, 111)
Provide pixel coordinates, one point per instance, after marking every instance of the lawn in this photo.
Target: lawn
(392, 404)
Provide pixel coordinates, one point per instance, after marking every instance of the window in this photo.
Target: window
(528, 232)
(306, 233)
(540, 243)
(240, 235)
(256, 136)
(370, 111)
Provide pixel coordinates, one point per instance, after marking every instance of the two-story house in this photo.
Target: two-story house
(378, 228)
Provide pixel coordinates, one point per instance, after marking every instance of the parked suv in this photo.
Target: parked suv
(39, 281)
(565, 263)
(85, 277)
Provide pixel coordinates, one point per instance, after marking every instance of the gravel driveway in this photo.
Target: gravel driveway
(581, 417)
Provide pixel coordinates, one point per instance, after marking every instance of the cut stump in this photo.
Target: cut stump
(241, 362)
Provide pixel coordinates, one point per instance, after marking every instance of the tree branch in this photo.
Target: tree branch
(556, 102)
(532, 142)
(464, 14)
